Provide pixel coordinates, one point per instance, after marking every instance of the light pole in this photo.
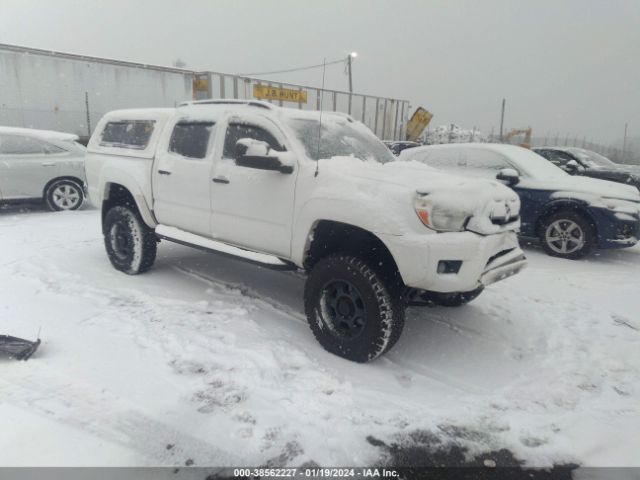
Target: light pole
(624, 143)
(504, 100)
(350, 58)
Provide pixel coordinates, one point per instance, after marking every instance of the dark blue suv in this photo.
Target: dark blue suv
(570, 215)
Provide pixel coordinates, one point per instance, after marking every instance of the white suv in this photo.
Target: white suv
(41, 165)
(288, 188)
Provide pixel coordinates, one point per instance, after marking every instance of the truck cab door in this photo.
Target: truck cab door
(253, 208)
(182, 176)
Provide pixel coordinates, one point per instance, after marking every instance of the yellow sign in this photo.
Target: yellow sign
(200, 83)
(418, 123)
(283, 94)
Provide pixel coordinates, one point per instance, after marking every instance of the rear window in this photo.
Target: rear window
(190, 139)
(127, 134)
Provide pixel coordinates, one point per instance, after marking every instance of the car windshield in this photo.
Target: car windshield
(339, 138)
(592, 159)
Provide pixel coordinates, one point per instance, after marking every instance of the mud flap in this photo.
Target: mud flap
(18, 348)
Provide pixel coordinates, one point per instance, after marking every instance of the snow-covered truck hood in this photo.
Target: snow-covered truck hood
(583, 186)
(491, 206)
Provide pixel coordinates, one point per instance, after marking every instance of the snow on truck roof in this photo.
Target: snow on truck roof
(196, 111)
(43, 134)
(211, 109)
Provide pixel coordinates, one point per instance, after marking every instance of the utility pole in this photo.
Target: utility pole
(624, 143)
(86, 106)
(504, 100)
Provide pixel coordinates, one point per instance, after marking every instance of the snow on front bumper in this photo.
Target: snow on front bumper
(483, 260)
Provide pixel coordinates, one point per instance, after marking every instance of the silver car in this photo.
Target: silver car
(41, 165)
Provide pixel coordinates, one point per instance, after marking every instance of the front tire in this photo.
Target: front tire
(352, 311)
(130, 244)
(567, 234)
(64, 195)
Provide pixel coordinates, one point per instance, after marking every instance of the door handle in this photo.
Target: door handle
(48, 164)
(221, 180)
(164, 172)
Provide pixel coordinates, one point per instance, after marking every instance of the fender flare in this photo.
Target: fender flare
(111, 177)
(343, 211)
(576, 204)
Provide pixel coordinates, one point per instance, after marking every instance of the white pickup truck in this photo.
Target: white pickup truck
(287, 188)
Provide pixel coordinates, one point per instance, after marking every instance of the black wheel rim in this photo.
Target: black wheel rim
(342, 309)
(121, 241)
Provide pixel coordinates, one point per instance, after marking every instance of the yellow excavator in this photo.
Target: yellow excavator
(519, 131)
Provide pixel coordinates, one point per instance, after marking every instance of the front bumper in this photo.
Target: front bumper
(616, 230)
(483, 259)
(504, 266)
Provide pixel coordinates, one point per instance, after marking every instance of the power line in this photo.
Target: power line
(293, 69)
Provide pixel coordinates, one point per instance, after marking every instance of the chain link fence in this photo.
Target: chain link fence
(453, 133)
(68, 92)
(386, 117)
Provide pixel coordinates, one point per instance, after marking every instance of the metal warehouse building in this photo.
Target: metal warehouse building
(67, 92)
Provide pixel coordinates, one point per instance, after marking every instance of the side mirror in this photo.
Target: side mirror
(257, 154)
(572, 167)
(509, 176)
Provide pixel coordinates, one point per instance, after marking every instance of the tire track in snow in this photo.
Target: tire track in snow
(246, 291)
(78, 405)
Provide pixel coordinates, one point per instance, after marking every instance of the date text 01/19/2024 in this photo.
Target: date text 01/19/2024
(316, 472)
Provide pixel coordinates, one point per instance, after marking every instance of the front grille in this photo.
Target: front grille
(504, 220)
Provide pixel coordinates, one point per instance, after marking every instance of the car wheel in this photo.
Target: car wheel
(454, 299)
(64, 195)
(130, 244)
(352, 311)
(567, 234)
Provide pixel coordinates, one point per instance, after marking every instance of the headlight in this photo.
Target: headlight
(438, 218)
(621, 206)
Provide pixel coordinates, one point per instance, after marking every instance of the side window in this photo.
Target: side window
(487, 161)
(191, 139)
(51, 148)
(482, 163)
(440, 160)
(558, 158)
(21, 145)
(127, 134)
(236, 131)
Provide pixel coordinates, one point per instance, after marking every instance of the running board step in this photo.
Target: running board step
(192, 240)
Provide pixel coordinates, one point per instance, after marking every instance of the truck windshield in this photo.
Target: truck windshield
(339, 139)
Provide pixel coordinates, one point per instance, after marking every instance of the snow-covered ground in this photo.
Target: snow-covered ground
(210, 359)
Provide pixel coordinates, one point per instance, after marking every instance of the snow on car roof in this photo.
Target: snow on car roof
(45, 134)
(525, 159)
(540, 172)
(496, 147)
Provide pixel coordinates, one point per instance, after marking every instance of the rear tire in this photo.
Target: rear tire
(130, 244)
(64, 194)
(352, 311)
(567, 234)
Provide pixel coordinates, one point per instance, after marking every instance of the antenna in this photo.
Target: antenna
(324, 68)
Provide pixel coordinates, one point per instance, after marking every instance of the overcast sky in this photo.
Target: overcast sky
(564, 66)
